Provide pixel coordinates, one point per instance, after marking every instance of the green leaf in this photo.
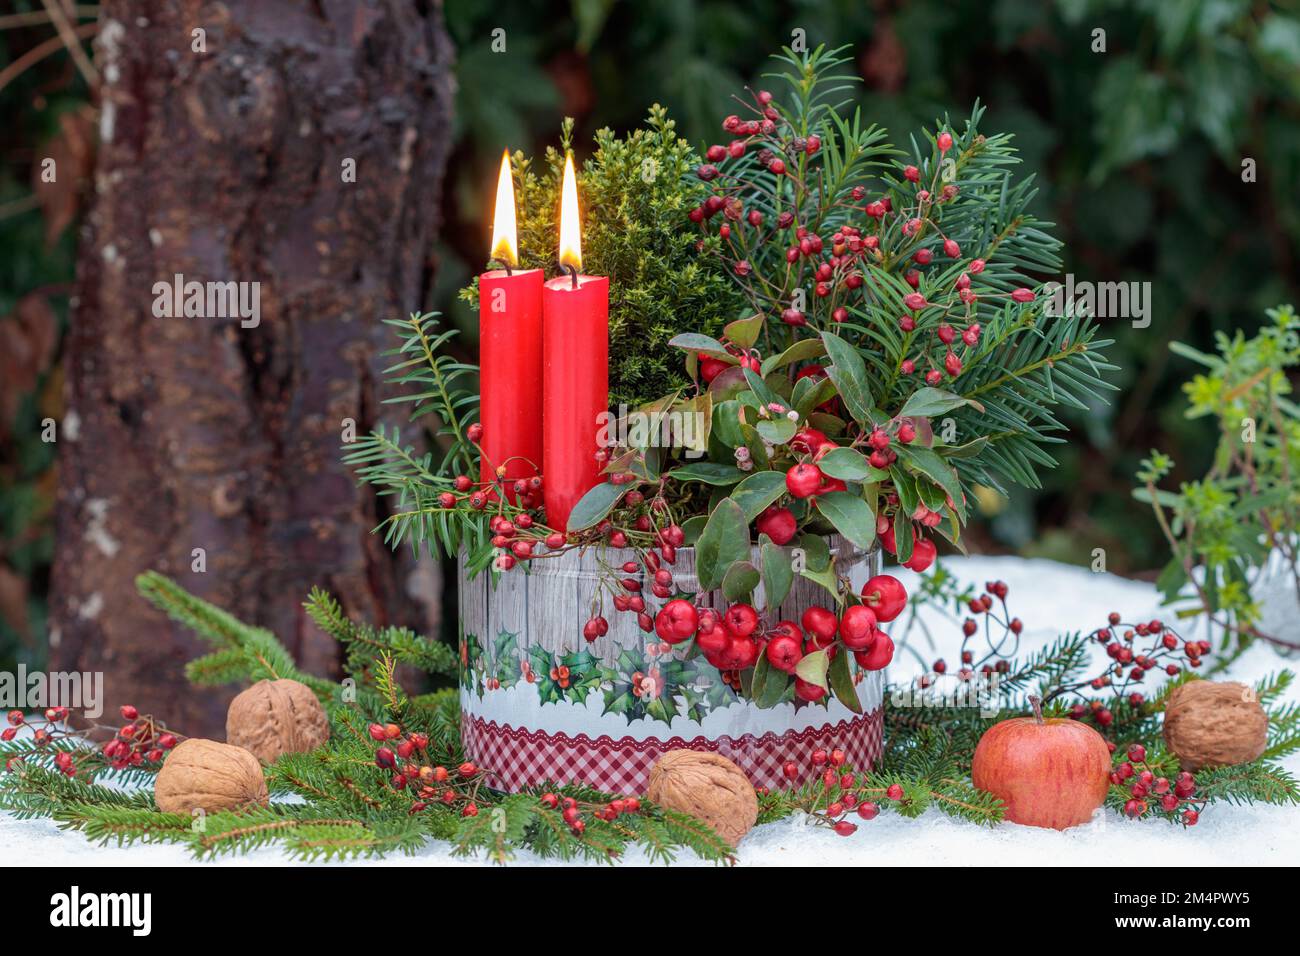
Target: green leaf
(772, 688)
(851, 516)
(726, 423)
(902, 536)
(927, 402)
(761, 389)
(929, 463)
(800, 351)
(849, 464)
(758, 491)
(812, 668)
(849, 373)
(744, 332)
(739, 582)
(708, 472)
(968, 450)
(723, 542)
(816, 551)
(592, 507)
(841, 681)
(776, 431)
(778, 574)
(695, 342)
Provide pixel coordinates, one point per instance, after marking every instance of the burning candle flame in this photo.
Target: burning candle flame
(570, 227)
(505, 240)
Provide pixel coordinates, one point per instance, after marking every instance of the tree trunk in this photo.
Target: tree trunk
(225, 156)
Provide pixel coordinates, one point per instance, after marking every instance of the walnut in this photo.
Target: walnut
(276, 717)
(210, 776)
(1213, 724)
(708, 787)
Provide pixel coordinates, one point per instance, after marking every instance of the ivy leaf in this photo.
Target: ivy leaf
(592, 507)
(927, 402)
(849, 373)
(758, 491)
(812, 668)
(723, 542)
(778, 574)
(851, 517)
(841, 681)
(708, 472)
(739, 582)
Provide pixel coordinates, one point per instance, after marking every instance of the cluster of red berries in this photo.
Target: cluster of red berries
(1168, 652)
(842, 792)
(1148, 792)
(139, 741)
(836, 264)
(402, 754)
(733, 639)
(1001, 648)
(571, 810)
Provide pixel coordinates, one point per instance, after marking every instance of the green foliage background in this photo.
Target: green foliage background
(1138, 152)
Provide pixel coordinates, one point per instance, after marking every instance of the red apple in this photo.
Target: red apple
(1049, 773)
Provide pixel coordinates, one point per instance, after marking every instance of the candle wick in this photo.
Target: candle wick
(572, 270)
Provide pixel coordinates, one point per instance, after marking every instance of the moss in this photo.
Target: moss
(635, 192)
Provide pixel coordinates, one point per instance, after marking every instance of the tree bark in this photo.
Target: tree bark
(229, 163)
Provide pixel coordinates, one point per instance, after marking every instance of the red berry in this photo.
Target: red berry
(845, 828)
(944, 141)
(895, 792)
(885, 595)
(879, 655)
(803, 480)
(820, 624)
(923, 554)
(784, 652)
(806, 691)
(676, 621)
(777, 523)
(868, 810)
(858, 627)
(741, 620)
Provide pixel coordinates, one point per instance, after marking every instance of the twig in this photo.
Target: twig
(40, 52)
(70, 39)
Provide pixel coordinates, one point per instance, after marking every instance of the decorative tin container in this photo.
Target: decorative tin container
(539, 704)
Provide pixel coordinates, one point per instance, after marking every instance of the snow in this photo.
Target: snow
(1051, 599)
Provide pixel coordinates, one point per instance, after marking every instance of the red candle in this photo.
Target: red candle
(510, 351)
(575, 379)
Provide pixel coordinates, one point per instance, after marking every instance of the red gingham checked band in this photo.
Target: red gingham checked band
(516, 758)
